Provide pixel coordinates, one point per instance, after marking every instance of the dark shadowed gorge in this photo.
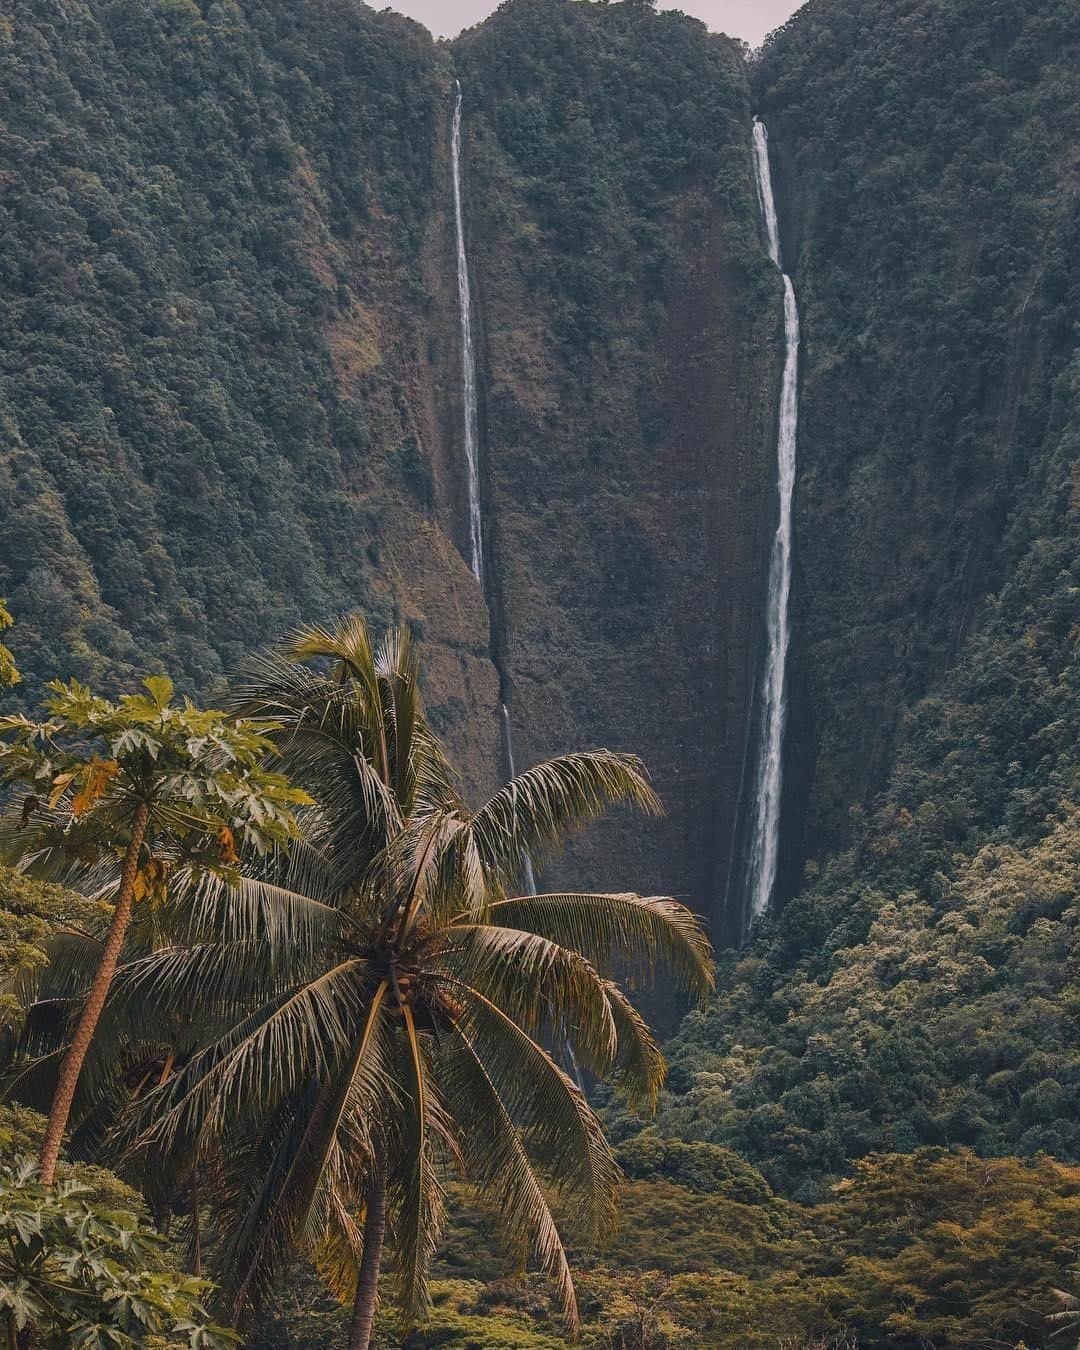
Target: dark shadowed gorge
(629, 329)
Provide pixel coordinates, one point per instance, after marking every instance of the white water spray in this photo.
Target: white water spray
(472, 435)
(769, 775)
(468, 356)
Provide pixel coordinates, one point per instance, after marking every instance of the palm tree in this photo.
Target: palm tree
(389, 1009)
(119, 794)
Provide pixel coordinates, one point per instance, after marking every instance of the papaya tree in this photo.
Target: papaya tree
(9, 672)
(75, 1272)
(114, 798)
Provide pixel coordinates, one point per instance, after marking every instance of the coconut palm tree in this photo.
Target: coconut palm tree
(115, 794)
(390, 1011)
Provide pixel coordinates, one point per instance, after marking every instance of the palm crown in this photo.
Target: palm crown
(378, 1007)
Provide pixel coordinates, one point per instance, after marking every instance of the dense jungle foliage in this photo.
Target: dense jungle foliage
(597, 165)
(928, 192)
(196, 203)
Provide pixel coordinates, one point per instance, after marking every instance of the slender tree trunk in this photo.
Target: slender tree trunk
(367, 1288)
(71, 1067)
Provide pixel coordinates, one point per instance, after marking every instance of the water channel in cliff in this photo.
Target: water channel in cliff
(764, 846)
(471, 429)
(468, 355)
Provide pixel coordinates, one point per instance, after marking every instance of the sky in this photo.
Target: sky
(748, 19)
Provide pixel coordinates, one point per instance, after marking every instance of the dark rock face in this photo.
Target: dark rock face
(632, 360)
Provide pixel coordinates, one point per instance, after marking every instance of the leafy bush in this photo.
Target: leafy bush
(84, 1276)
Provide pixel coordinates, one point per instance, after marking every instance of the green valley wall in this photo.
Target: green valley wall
(230, 374)
(925, 153)
(215, 409)
(920, 988)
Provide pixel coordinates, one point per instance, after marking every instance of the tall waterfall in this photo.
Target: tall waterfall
(472, 428)
(768, 779)
(468, 355)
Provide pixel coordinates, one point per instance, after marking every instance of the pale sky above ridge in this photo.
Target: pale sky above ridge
(747, 19)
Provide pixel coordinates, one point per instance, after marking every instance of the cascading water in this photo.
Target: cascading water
(472, 423)
(764, 848)
(468, 355)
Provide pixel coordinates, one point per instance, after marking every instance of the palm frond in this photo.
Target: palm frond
(416, 1193)
(363, 1094)
(559, 1126)
(531, 815)
(332, 738)
(288, 922)
(301, 1198)
(301, 1036)
(348, 644)
(497, 1164)
(639, 1069)
(628, 935)
(549, 991)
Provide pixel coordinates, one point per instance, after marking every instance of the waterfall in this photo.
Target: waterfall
(472, 430)
(508, 751)
(468, 355)
(768, 779)
(763, 178)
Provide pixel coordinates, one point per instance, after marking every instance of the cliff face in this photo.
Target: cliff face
(631, 364)
(215, 394)
(230, 377)
(918, 988)
(925, 156)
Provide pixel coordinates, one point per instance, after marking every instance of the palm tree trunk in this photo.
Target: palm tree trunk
(367, 1287)
(71, 1067)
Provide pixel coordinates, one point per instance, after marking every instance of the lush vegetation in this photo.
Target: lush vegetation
(253, 1168)
(596, 121)
(934, 1247)
(79, 1275)
(311, 1023)
(204, 211)
(81, 1265)
(928, 192)
(919, 990)
(327, 1013)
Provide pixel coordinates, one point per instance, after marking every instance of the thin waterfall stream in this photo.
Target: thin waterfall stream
(508, 752)
(469, 388)
(764, 850)
(468, 355)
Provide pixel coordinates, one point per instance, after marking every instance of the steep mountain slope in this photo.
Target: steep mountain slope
(921, 989)
(230, 379)
(215, 407)
(630, 325)
(926, 157)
